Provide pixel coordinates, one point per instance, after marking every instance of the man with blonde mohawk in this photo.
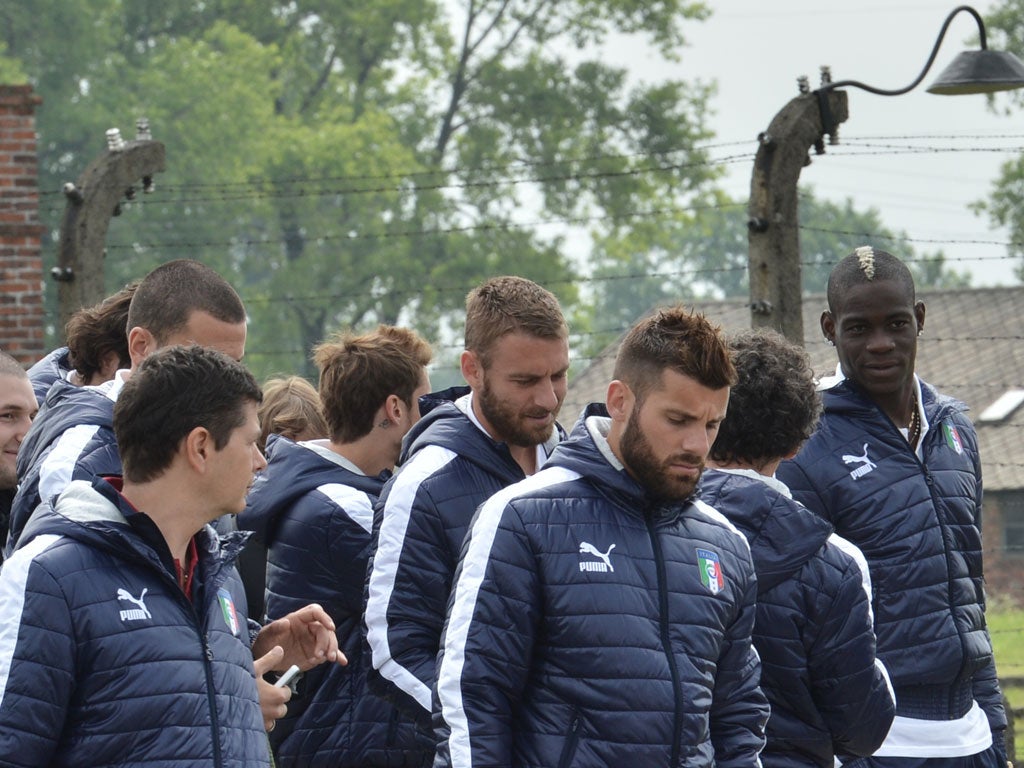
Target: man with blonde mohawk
(894, 467)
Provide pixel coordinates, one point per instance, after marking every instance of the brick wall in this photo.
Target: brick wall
(21, 263)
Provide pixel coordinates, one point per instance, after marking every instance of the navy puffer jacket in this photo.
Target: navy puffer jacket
(107, 662)
(317, 516)
(918, 523)
(56, 365)
(828, 693)
(71, 438)
(449, 466)
(593, 626)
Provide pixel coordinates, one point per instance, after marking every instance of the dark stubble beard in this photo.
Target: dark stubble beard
(639, 459)
(506, 422)
(8, 478)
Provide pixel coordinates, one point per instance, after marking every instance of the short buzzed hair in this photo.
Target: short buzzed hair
(11, 367)
(774, 404)
(864, 265)
(359, 372)
(171, 292)
(673, 339)
(509, 304)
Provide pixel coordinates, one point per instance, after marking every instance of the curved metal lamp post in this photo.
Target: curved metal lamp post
(774, 242)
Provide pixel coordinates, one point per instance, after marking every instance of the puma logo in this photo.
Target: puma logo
(866, 464)
(134, 614)
(586, 548)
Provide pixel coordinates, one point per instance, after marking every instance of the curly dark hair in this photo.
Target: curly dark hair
(774, 405)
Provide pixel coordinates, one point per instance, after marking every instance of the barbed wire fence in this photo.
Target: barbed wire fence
(507, 176)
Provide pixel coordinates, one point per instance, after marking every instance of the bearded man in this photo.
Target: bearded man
(463, 450)
(601, 614)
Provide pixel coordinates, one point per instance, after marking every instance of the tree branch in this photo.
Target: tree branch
(503, 48)
(321, 81)
(444, 133)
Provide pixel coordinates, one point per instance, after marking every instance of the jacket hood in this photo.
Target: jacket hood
(293, 470)
(431, 400)
(783, 535)
(66, 405)
(96, 514)
(56, 365)
(586, 452)
(449, 425)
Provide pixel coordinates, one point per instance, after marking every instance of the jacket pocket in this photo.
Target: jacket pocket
(571, 741)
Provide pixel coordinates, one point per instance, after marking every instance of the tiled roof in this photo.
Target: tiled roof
(972, 348)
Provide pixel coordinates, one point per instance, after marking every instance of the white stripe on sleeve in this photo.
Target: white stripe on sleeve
(13, 582)
(390, 542)
(851, 549)
(58, 466)
(463, 606)
(355, 503)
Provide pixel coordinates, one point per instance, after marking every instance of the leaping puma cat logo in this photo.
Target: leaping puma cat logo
(134, 614)
(866, 464)
(586, 548)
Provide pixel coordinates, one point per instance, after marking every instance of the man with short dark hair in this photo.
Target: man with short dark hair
(120, 640)
(894, 466)
(315, 502)
(179, 302)
(601, 614)
(516, 362)
(829, 695)
(17, 409)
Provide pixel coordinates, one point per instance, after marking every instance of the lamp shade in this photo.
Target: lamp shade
(981, 71)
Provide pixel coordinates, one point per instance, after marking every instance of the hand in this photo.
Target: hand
(273, 700)
(307, 637)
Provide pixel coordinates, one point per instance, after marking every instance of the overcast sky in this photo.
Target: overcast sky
(755, 50)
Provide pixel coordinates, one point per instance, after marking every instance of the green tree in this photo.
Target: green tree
(348, 164)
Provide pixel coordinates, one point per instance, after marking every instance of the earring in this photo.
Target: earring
(830, 342)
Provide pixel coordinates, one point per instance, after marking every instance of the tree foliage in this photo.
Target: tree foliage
(352, 163)
(347, 164)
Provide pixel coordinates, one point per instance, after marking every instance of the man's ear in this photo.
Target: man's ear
(619, 400)
(197, 448)
(828, 326)
(472, 369)
(395, 408)
(141, 344)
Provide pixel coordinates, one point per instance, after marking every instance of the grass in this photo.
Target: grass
(1006, 626)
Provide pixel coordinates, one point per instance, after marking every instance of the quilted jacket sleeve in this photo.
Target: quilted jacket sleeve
(407, 592)
(488, 642)
(81, 453)
(318, 554)
(850, 687)
(37, 685)
(739, 710)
